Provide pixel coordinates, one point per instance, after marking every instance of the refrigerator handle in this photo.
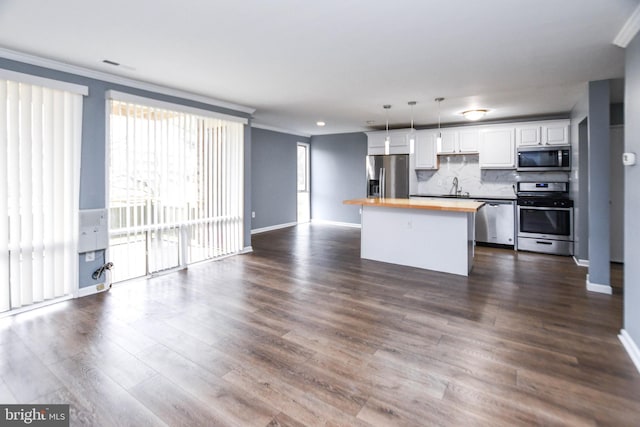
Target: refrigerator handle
(383, 187)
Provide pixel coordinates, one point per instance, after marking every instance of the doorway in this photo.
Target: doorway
(304, 208)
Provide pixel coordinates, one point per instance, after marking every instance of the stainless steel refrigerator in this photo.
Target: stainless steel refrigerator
(388, 176)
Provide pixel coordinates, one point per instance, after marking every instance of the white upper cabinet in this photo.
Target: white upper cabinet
(448, 143)
(469, 140)
(375, 143)
(543, 133)
(455, 141)
(497, 148)
(556, 133)
(398, 142)
(425, 155)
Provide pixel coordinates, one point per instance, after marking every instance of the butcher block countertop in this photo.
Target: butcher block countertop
(435, 205)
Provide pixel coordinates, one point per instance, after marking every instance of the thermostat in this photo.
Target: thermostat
(628, 159)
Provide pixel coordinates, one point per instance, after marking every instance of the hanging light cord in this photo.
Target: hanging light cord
(439, 100)
(387, 107)
(412, 103)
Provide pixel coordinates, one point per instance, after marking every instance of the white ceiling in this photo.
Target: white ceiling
(339, 61)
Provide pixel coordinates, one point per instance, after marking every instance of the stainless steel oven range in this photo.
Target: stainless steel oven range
(545, 217)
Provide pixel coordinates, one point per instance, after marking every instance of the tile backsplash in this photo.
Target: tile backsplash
(473, 180)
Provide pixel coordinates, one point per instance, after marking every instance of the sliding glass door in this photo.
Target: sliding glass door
(175, 188)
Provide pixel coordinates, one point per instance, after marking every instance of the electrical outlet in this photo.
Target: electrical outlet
(253, 214)
(89, 256)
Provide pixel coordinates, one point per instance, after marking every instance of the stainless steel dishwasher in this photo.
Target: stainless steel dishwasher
(495, 222)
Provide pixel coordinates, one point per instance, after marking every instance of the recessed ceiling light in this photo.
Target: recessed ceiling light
(474, 114)
(109, 62)
(320, 123)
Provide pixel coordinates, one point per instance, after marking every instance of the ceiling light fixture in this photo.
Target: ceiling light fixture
(320, 123)
(387, 139)
(439, 139)
(474, 114)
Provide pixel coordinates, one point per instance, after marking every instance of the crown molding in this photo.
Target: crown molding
(125, 81)
(276, 129)
(628, 30)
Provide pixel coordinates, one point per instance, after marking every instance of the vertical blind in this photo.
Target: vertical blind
(175, 188)
(40, 139)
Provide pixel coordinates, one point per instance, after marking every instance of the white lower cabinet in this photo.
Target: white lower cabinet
(426, 156)
(497, 148)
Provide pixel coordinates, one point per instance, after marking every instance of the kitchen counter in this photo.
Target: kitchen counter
(471, 197)
(431, 234)
(453, 205)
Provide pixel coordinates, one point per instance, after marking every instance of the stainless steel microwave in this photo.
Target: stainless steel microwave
(548, 158)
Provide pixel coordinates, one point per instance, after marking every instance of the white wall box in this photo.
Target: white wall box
(459, 141)
(497, 148)
(543, 133)
(93, 230)
(426, 156)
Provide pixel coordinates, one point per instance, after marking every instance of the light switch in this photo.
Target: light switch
(628, 159)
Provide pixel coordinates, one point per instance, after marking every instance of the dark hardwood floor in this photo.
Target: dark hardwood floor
(302, 332)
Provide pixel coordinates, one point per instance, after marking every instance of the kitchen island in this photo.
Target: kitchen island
(431, 234)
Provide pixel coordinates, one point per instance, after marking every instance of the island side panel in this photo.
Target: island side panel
(430, 239)
(471, 238)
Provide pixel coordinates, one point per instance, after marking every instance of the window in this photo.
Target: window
(175, 187)
(304, 209)
(40, 139)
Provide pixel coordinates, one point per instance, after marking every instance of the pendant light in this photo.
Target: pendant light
(439, 139)
(387, 139)
(412, 132)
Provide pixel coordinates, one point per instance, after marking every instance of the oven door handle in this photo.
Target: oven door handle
(541, 242)
(538, 208)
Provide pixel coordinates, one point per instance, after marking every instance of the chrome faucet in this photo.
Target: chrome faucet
(455, 185)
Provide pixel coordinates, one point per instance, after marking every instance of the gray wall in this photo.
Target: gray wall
(273, 174)
(337, 173)
(616, 116)
(93, 164)
(599, 152)
(632, 193)
(578, 186)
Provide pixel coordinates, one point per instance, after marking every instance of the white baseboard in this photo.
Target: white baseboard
(273, 227)
(338, 223)
(597, 287)
(247, 250)
(581, 262)
(93, 289)
(631, 347)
